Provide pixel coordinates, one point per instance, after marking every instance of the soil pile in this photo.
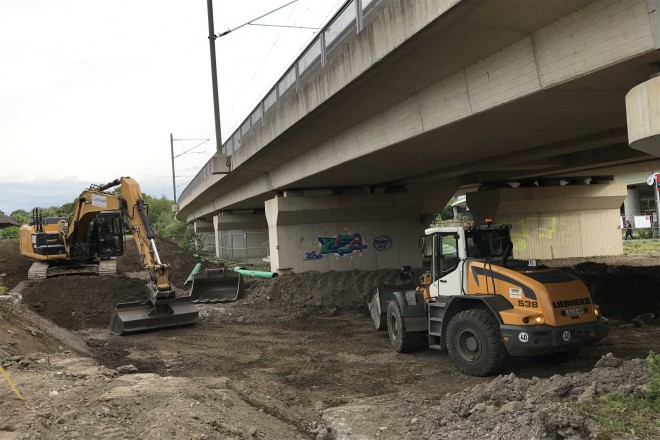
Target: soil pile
(13, 266)
(296, 295)
(181, 262)
(507, 408)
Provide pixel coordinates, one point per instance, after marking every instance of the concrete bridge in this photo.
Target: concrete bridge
(401, 104)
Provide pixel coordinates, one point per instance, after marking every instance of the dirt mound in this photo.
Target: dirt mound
(314, 293)
(623, 292)
(507, 408)
(70, 397)
(13, 265)
(181, 261)
(77, 302)
(22, 332)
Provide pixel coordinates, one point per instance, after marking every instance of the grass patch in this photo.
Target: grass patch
(3, 289)
(630, 414)
(616, 413)
(640, 246)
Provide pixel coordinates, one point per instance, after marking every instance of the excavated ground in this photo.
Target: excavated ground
(296, 358)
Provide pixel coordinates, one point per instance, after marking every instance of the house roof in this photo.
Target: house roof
(5, 220)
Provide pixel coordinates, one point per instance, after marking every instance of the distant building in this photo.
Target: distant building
(461, 210)
(6, 221)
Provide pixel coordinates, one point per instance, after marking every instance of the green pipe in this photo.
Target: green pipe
(255, 273)
(195, 271)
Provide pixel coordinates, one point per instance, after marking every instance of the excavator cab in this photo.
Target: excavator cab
(108, 235)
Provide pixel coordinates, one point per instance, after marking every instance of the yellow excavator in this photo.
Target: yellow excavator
(88, 242)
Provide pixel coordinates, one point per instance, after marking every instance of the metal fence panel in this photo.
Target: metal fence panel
(244, 247)
(342, 29)
(310, 61)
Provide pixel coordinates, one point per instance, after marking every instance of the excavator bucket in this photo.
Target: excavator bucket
(133, 317)
(217, 285)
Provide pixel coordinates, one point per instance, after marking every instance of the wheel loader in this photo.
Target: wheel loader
(89, 241)
(484, 307)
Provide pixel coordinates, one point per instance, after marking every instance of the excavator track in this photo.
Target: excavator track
(40, 270)
(37, 272)
(108, 267)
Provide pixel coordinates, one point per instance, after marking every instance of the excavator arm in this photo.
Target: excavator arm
(162, 308)
(134, 211)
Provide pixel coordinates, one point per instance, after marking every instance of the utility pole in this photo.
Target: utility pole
(173, 175)
(214, 69)
(214, 79)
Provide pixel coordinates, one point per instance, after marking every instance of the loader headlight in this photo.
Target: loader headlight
(596, 310)
(535, 319)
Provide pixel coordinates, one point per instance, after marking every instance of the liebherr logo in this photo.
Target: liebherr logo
(571, 303)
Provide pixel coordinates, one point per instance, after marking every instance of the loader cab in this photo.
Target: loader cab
(487, 242)
(442, 253)
(108, 235)
(446, 250)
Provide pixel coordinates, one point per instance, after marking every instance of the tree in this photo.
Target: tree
(20, 216)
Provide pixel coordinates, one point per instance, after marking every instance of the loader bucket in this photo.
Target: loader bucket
(217, 285)
(378, 307)
(133, 317)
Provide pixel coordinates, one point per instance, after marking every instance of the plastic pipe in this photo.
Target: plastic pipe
(197, 269)
(255, 273)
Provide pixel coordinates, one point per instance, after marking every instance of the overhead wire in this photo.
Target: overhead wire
(279, 35)
(245, 115)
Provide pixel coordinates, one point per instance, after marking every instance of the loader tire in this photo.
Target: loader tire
(402, 340)
(475, 344)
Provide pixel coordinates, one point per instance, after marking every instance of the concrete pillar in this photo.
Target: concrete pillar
(643, 116)
(556, 221)
(344, 232)
(632, 205)
(216, 233)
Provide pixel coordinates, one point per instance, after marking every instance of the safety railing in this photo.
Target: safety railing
(344, 26)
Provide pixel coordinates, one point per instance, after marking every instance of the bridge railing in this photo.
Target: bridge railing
(344, 26)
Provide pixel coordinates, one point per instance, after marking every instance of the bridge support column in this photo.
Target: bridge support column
(241, 236)
(556, 221)
(344, 232)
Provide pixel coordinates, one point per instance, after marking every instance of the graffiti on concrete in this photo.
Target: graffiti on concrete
(311, 256)
(382, 243)
(341, 244)
(542, 228)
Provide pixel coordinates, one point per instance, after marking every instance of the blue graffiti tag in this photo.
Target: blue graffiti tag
(342, 244)
(382, 243)
(312, 256)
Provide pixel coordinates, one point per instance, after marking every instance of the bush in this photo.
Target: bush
(9, 233)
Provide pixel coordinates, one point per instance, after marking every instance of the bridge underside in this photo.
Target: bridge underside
(468, 97)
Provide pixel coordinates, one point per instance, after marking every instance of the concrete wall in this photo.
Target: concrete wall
(344, 232)
(556, 222)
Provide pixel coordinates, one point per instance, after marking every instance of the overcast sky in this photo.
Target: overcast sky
(91, 90)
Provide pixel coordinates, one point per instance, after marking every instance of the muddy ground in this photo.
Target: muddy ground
(296, 358)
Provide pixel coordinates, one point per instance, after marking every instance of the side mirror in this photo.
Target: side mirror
(422, 243)
(406, 273)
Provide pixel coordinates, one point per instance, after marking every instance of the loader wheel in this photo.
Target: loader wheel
(402, 340)
(475, 344)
